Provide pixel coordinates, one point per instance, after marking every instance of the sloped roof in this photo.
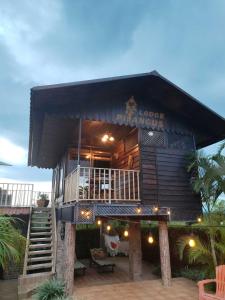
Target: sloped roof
(208, 126)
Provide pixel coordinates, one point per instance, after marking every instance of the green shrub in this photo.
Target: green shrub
(51, 290)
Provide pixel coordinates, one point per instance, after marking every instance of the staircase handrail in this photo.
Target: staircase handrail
(27, 243)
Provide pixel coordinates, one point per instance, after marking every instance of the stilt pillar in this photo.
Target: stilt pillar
(65, 257)
(70, 231)
(164, 253)
(135, 254)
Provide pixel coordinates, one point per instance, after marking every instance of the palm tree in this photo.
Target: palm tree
(202, 252)
(12, 243)
(208, 179)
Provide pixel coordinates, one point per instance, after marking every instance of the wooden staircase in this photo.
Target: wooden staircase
(39, 261)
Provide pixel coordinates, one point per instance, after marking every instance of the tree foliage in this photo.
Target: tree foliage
(12, 243)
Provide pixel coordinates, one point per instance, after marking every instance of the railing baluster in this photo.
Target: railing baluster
(133, 185)
(119, 186)
(128, 174)
(94, 186)
(104, 182)
(124, 183)
(89, 184)
(138, 187)
(99, 183)
(110, 185)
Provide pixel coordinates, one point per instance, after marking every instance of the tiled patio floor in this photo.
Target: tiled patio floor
(118, 286)
(121, 274)
(181, 289)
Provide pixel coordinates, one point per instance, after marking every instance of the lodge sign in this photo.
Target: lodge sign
(140, 118)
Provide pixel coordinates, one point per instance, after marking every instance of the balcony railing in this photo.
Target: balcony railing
(101, 184)
(19, 195)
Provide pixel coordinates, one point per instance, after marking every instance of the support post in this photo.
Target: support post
(135, 254)
(66, 255)
(164, 253)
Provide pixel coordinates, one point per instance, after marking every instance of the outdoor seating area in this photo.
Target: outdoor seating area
(121, 273)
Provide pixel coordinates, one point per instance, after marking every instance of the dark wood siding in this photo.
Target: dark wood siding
(165, 180)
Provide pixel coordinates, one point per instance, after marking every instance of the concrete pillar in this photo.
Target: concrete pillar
(66, 255)
(164, 253)
(135, 254)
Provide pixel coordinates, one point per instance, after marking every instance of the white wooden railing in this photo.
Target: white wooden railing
(19, 195)
(86, 183)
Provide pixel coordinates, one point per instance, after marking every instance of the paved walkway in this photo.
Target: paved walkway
(8, 289)
(181, 289)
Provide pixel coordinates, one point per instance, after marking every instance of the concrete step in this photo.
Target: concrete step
(40, 252)
(41, 222)
(44, 209)
(42, 239)
(41, 258)
(40, 233)
(38, 246)
(40, 216)
(39, 266)
(40, 228)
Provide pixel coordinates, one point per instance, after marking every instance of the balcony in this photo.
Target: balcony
(102, 185)
(19, 195)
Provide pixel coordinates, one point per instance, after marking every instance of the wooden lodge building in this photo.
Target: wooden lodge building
(118, 148)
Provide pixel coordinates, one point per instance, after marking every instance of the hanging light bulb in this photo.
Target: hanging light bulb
(126, 233)
(111, 139)
(82, 212)
(99, 222)
(168, 212)
(150, 239)
(199, 219)
(108, 228)
(191, 241)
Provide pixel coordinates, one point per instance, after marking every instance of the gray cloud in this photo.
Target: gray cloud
(57, 41)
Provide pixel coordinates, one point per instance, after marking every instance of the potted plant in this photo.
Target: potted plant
(43, 200)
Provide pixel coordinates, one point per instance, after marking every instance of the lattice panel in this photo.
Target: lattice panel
(153, 138)
(87, 213)
(177, 141)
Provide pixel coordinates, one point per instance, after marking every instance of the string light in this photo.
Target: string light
(126, 233)
(108, 228)
(99, 222)
(199, 220)
(150, 239)
(155, 209)
(192, 243)
(138, 210)
(82, 212)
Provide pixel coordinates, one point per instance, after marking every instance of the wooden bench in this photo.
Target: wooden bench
(103, 264)
(79, 268)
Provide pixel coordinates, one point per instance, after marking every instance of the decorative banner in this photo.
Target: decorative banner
(143, 118)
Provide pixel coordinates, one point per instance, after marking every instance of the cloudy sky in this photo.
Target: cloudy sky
(43, 42)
